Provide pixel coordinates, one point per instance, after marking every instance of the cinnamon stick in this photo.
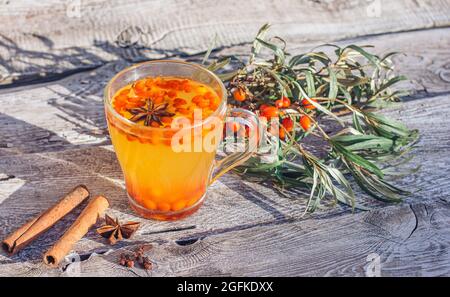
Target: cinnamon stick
(79, 228)
(38, 225)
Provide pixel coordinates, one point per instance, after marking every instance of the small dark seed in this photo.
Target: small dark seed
(147, 265)
(130, 263)
(122, 260)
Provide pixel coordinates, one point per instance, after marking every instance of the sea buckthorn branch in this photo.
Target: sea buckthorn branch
(307, 91)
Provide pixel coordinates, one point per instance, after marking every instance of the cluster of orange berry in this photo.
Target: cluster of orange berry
(273, 111)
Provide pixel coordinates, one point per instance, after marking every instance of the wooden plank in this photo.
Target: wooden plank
(36, 180)
(51, 135)
(68, 113)
(411, 240)
(70, 38)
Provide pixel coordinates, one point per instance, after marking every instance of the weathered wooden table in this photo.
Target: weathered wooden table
(55, 58)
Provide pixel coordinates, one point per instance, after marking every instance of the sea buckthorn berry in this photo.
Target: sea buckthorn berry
(149, 82)
(166, 120)
(169, 133)
(158, 100)
(132, 104)
(306, 104)
(171, 93)
(187, 88)
(197, 99)
(213, 104)
(165, 84)
(239, 95)
(178, 205)
(164, 206)
(135, 100)
(281, 133)
(270, 112)
(183, 111)
(203, 103)
(118, 106)
(178, 102)
(288, 124)
(305, 122)
(149, 204)
(131, 137)
(279, 103)
(124, 92)
(172, 84)
(262, 107)
(120, 99)
(209, 95)
(139, 88)
(157, 81)
(286, 102)
(141, 140)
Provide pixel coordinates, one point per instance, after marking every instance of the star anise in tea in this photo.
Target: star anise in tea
(115, 231)
(151, 113)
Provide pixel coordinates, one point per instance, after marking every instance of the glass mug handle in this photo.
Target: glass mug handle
(245, 147)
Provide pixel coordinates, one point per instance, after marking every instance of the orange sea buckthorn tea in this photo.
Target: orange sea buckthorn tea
(165, 120)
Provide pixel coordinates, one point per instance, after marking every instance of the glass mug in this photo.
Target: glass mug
(164, 183)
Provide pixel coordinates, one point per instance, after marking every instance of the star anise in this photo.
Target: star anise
(150, 113)
(115, 231)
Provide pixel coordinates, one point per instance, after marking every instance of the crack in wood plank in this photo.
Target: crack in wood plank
(5, 177)
(201, 235)
(416, 222)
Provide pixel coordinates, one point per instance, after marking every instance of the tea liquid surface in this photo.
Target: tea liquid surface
(158, 178)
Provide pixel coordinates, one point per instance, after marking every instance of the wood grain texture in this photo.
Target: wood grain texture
(53, 136)
(45, 39)
(410, 240)
(68, 113)
(235, 207)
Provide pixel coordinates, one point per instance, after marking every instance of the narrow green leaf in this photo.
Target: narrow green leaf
(227, 76)
(333, 89)
(372, 58)
(311, 88)
(256, 47)
(388, 84)
(315, 104)
(278, 51)
(216, 65)
(358, 160)
(356, 123)
(211, 46)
